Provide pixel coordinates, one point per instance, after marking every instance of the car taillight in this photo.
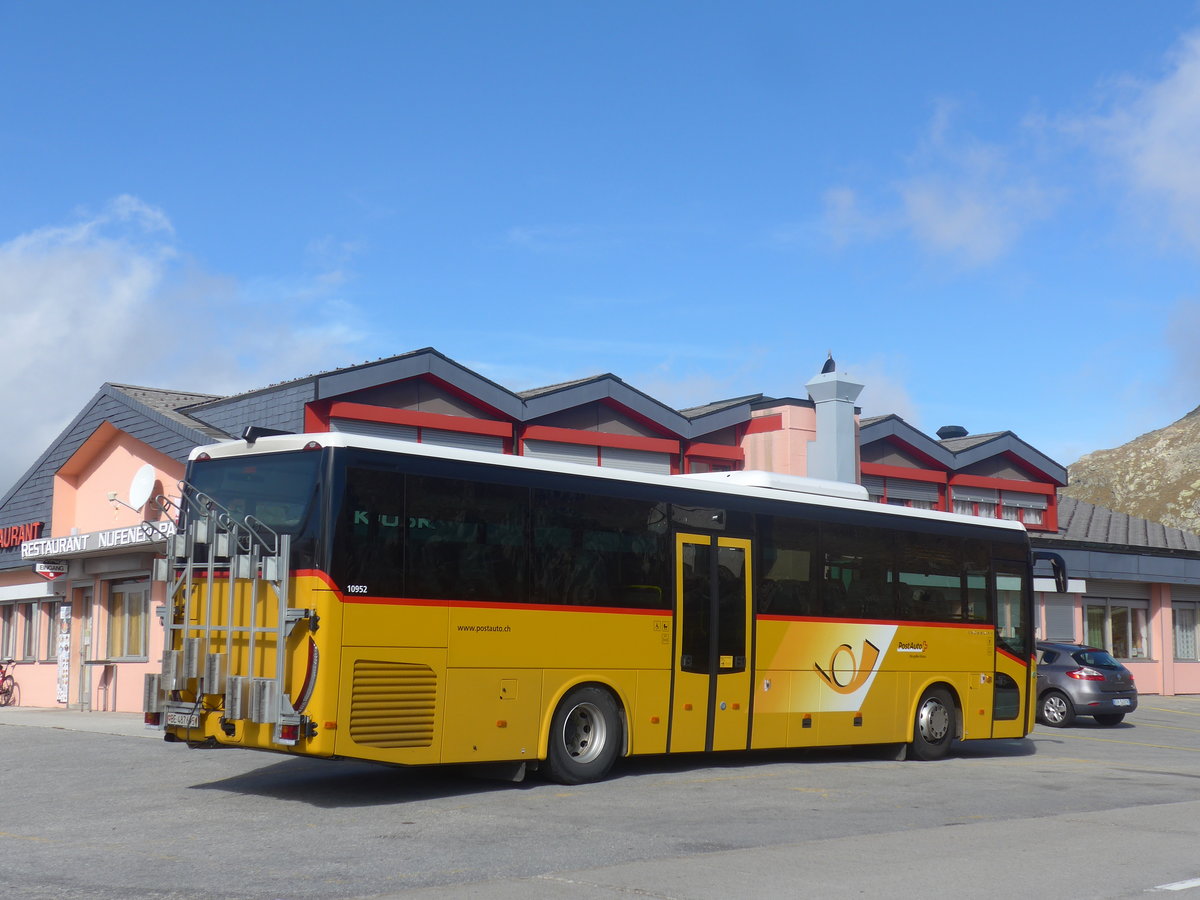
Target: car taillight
(1086, 674)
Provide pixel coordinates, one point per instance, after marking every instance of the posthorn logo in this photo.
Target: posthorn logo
(845, 673)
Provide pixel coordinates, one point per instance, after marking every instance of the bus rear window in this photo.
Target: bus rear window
(277, 490)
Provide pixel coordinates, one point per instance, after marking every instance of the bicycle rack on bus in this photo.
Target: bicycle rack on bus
(254, 558)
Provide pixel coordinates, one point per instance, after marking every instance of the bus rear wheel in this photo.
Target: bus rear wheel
(585, 736)
(933, 728)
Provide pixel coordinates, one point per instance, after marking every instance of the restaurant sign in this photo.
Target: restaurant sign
(82, 544)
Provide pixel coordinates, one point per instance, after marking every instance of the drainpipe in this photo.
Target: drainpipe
(834, 454)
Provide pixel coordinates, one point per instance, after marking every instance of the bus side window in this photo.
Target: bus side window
(788, 549)
(465, 540)
(859, 567)
(931, 578)
(592, 550)
(368, 542)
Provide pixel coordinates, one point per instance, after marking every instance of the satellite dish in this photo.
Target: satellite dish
(142, 486)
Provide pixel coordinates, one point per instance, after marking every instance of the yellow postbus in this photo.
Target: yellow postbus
(337, 595)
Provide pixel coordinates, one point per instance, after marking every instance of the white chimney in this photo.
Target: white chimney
(834, 454)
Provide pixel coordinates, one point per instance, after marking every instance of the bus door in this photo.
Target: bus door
(1014, 632)
(710, 704)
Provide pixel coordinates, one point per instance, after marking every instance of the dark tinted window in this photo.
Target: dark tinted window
(930, 576)
(368, 542)
(598, 551)
(858, 578)
(977, 560)
(277, 489)
(788, 552)
(466, 540)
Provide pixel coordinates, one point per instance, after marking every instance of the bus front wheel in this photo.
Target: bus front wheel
(585, 736)
(933, 729)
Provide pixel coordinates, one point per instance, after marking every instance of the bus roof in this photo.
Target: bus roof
(749, 483)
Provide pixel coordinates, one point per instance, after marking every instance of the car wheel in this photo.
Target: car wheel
(585, 736)
(1055, 709)
(1110, 718)
(933, 729)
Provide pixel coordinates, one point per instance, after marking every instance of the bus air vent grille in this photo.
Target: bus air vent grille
(392, 704)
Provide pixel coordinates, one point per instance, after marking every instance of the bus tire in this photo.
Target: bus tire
(933, 726)
(585, 736)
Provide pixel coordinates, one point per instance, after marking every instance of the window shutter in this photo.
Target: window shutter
(374, 429)
(463, 440)
(636, 460)
(976, 495)
(580, 454)
(903, 489)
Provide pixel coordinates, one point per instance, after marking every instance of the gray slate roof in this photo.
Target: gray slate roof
(1080, 522)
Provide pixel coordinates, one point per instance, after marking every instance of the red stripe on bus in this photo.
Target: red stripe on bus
(781, 618)
(1016, 659)
(483, 604)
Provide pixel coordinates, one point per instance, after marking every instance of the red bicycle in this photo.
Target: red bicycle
(10, 694)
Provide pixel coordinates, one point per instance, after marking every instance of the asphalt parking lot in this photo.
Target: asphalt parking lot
(94, 806)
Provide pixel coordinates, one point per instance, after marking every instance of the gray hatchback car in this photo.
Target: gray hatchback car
(1074, 680)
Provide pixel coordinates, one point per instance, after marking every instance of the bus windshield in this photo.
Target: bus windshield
(277, 490)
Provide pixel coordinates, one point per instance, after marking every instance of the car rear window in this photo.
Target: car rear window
(1099, 659)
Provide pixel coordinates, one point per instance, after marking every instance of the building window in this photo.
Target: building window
(28, 615)
(1185, 631)
(8, 627)
(696, 465)
(1119, 626)
(53, 629)
(902, 492)
(989, 503)
(128, 602)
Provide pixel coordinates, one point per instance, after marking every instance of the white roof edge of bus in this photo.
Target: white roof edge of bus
(776, 482)
(847, 498)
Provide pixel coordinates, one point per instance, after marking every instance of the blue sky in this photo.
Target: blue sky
(990, 215)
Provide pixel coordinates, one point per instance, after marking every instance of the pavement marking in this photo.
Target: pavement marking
(1170, 727)
(25, 837)
(1176, 886)
(1081, 737)
(1178, 712)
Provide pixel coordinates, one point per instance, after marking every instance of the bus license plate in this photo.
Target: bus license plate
(1120, 703)
(184, 720)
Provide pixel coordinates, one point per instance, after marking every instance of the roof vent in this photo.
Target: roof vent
(946, 432)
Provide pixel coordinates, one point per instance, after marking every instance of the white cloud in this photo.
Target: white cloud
(846, 222)
(884, 392)
(1150, 131)
(109, 296)
(967, 198)
(960, 198)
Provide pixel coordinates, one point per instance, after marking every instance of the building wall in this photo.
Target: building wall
(777, 439)
(96, 635)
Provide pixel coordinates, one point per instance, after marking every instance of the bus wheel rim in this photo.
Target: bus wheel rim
(934, 720)
(584, 733)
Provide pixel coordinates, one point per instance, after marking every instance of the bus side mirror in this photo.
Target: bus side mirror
(1057, 565)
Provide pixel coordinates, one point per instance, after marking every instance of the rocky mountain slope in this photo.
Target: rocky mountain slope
(1155, 476)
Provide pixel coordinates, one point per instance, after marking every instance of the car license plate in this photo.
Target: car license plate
(184, 720)
(1120, 703)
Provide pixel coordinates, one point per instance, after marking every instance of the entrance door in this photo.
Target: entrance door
(711, 702)
(82, 601)
(1013, 637)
